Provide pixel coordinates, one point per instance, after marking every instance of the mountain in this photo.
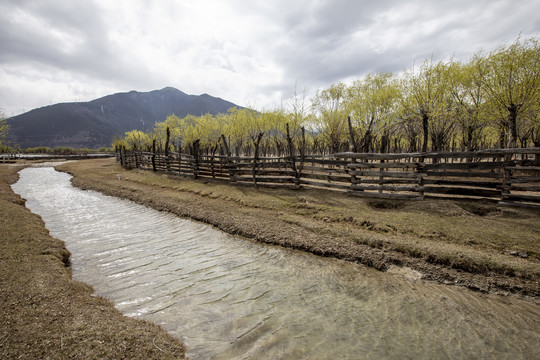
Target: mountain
(95, 123)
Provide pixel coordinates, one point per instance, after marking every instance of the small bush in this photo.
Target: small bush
(64, 150)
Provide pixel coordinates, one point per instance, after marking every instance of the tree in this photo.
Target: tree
(469, 103)
(510, 75)
(331, 116)
(426, 93)
(137, 140)
(371, 103)
(4, 128)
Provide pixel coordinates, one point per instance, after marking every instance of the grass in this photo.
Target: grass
(466, 236)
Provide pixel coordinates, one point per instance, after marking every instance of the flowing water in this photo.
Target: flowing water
(229, 298)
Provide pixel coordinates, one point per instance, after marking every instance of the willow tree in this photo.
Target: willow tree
(469, 99)
(246, 129)
(138, 140)
(425, 92)
(175, 124)
(371, 103)
(331, 116)
(511, 77)
(531, 126)
(4, 128)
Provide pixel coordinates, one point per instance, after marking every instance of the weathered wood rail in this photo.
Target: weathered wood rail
(509, 176)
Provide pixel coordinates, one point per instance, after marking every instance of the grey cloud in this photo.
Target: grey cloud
(91, 54)
(314, 43)
(323, 48)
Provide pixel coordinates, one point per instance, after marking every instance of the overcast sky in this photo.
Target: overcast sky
(249, 52)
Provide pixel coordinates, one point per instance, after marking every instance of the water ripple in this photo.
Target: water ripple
(231, 298)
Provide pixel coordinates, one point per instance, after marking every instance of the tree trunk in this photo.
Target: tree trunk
(502, 137)
(384, 142)
(470, 138)
(512, 125)
(366, 141)
(226, 146)
(351, 136)
(291, 157)
(425, 126)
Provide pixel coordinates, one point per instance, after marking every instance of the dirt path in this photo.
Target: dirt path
(454, 242)
(44, 313)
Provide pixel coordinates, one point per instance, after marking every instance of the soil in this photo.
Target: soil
(45, 314)
(463, 243)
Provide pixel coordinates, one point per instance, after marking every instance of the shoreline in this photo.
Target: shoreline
(47, 314)
(374, 233)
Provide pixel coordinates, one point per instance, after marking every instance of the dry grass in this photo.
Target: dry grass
(44, 313)
(464, 242)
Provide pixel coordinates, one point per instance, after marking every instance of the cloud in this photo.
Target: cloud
(245, 51)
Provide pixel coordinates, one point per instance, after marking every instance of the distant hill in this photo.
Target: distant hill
(94, 124)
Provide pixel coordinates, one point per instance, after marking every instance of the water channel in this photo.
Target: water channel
(229, 298)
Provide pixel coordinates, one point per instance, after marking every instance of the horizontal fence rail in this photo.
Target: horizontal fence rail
(509, 176)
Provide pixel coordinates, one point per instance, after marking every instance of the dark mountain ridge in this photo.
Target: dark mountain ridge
(95, 123)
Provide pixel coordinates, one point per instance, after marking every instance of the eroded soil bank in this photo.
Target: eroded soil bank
(44, 313)
(472, 244)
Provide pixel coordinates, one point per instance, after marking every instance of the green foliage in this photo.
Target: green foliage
(4, 127)
(39, 150)
(510, 76)
(64, 150)
(437, 106)
(331, 116)
(138, 140)
(372, 103)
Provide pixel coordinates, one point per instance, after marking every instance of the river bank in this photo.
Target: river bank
(473, 244)
(47, 315)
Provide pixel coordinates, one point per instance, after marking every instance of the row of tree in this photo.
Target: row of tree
(4, 129)
(492, 100)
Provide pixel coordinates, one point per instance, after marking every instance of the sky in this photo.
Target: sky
(250, 52)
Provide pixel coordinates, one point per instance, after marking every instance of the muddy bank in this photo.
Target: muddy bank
(44, 313)
(461, 243)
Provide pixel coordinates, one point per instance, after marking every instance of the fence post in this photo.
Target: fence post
(420, 168)
(167, 163)
(179, 158)
(352, 173)
(302, 153)
(120, 156)
(291, 158)
(154, 155)
(255, 157)
(507, 175)
(381, 178)
(196, 158)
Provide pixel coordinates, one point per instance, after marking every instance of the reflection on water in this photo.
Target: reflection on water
(230, 298)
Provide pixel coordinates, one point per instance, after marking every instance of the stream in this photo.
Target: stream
(230, 298)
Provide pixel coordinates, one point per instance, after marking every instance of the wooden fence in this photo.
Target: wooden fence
(509, 176)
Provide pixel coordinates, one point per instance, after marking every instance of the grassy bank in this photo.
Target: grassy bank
(467, 243)
(44, 313)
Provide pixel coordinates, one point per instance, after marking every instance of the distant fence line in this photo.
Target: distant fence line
(12, 157)
(509, 176)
